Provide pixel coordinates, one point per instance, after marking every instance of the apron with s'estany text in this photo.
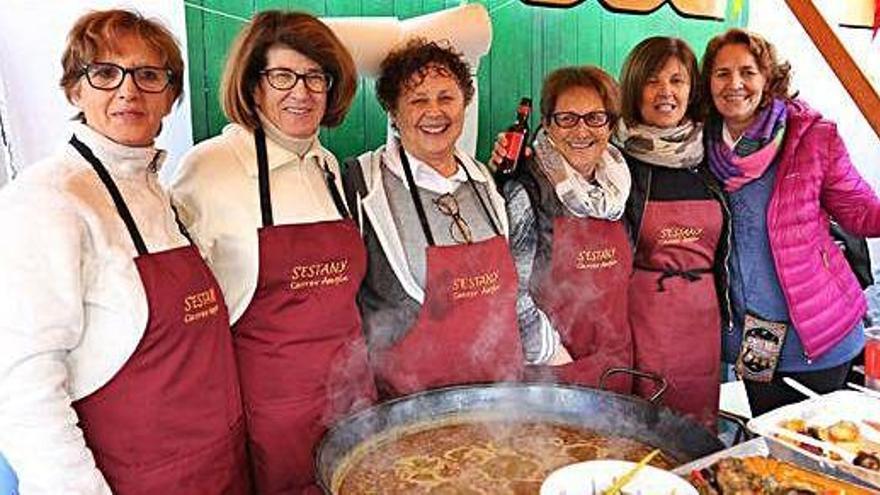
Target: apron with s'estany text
(300, 345)
(584, 293)
(466, 330)
(170, 420)
(674, 310)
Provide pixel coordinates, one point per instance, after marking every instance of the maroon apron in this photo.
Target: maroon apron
(170, 421)
(584, 293)
(466, 330)
(300, 346)
(674, 310)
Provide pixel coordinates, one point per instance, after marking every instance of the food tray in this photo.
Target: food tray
(822, 411)
(756, 447)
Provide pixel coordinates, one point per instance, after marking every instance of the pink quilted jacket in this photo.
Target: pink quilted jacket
(816, 180)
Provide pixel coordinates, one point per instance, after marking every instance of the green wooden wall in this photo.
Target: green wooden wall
(528, 42)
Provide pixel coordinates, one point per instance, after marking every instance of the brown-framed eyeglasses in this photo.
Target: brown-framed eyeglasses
(459, 229)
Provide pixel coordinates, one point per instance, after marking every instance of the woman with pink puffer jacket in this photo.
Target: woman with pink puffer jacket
(796, 306)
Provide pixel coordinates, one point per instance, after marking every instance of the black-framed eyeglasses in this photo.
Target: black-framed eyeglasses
(109, 76)
(285, 79)
(459, 229)
(567, 120)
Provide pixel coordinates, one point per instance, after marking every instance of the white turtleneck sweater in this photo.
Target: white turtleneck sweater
(72, 306)
(218, 197)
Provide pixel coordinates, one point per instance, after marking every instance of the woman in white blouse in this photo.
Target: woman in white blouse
(117, 371)
(263, 202)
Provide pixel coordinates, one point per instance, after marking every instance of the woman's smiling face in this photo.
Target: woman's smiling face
(126, 115)
(581, 144)
(296, 111)
(665, 95)
(429, 114)
(737, 86)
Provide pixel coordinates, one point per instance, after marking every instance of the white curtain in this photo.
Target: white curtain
(6, 164)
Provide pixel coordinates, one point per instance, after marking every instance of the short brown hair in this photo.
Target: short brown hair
(100, 31)
(646, 60)
(416, 59)
(778, 74)
(586, 76)
(298, 31)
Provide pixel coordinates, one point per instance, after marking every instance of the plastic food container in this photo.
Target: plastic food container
(822, 412)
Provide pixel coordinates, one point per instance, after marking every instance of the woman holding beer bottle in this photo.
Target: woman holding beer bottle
(573, 256)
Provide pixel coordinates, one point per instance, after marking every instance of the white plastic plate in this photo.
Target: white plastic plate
(583, 477)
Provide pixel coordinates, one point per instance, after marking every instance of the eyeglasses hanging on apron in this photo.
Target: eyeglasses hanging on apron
(466, 330)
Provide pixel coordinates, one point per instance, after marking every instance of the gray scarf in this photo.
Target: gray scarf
(673, 147)
(603, 197)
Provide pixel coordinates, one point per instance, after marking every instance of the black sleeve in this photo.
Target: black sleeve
(353, 186)
(855, 250)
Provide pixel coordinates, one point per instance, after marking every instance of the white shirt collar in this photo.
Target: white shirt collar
(120, 160)
(276, 154)
(424, 175)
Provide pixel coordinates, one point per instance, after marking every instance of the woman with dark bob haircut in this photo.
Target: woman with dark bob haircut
(117, 371)
(263, 201)
(676, 217)
(565, 205)
(439, 300)
(797, 307)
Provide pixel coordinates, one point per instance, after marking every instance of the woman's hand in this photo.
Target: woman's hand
(500, 147)
(556, 174)
(560, 356)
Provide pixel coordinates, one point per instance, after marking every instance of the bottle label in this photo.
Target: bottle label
(514, 146)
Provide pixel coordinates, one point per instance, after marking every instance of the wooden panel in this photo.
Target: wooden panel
(260, 5)
(528, 42)
(195, 22)
(219, 32)
(405, 9)
(375, 121)
(845, 68)
(314, 7)
(510, 62)
(349, 138)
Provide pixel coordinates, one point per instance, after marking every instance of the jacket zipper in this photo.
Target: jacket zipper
(725, 263)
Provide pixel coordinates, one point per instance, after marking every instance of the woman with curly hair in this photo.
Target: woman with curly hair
(439, 299)
(797, 307)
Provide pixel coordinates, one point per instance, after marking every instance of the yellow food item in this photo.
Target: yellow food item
(797, 425)
(843, 431)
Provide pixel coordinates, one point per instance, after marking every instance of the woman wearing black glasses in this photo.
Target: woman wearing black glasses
(572, 252)
(117, 372)
(439, 300)
(676, 217)
(263, 201)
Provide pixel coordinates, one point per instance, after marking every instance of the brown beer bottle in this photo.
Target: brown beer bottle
(516, 136)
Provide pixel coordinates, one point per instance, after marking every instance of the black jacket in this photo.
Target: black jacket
(656, 183)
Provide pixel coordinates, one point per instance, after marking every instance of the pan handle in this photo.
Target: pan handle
(741, 423)
(660, 383)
